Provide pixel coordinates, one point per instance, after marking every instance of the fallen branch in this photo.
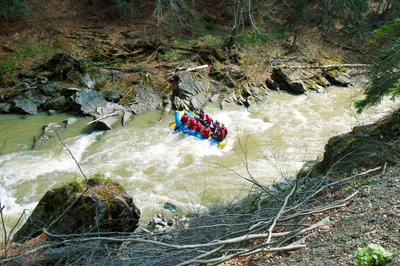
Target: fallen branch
(189, 69)
(327, 66)
(280, 212)
(98, 119)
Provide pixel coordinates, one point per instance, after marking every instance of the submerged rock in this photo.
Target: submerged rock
(98, 206)
(70, 121)
(49, 132)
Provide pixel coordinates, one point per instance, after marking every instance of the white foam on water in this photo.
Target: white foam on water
(156, 165)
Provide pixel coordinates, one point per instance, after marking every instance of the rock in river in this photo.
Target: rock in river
(97, 206)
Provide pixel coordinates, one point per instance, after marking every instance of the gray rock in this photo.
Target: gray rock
(35, 97)
(51, 112)
(111, 95)
(70, 121)
(112, 114)
(342, 80)
(88, 100)
(127, 118)
(94, 80)
(58, 104)
(288, 80)
(214, 98)
(272, 85)
(25, 105)
(170, 206)
(49, 132)
(5, 107)
(49, 90)
(146, 100)
(193, 91)
(230, 99)
(298, 86)
(338, 78)
(198, 101)
(190, 85)
(105, 207)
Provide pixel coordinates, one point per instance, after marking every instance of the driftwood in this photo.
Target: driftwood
(191, 68)
(98, 119)
(327, 66)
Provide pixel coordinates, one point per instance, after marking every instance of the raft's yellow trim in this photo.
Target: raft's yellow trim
(222, 144)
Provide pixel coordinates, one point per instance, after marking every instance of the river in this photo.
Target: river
(156, 166)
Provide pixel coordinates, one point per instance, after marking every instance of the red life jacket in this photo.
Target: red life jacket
(206, 133)
(202, 116)
(209, 120)
(199, 127)
(192, 123)
(221, 135)
(184, 119)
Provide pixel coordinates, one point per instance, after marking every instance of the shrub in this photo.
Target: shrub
(374, 254)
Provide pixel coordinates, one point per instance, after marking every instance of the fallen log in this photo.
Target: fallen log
(112, 114)
(327, 66)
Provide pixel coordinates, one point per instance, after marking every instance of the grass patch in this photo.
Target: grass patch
(25, 56)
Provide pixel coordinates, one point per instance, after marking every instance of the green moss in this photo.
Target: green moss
(350, 141)
(331, 73)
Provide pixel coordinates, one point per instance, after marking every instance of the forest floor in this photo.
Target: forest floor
(372, 217)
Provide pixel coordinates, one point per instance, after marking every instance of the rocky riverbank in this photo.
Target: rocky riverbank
(67, 84)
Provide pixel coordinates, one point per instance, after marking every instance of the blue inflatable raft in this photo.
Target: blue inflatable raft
(178, 126)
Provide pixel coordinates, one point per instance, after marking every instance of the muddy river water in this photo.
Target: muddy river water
(156, 166)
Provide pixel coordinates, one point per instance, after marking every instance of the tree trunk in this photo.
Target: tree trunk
(237, 22)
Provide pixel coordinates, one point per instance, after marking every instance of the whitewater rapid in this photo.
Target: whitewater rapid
(157, 166)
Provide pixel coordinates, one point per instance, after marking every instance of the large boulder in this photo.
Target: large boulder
(50, 90)
(89, 100)
(146, 100)
(109, 116)
(338, 78)
(58, 104)
(94, 80)
(111, 95)
(97, 206)
(366, 146)
(36, 97)
(5, 107)
(24, 105)
(192, 91)
(288, 80)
